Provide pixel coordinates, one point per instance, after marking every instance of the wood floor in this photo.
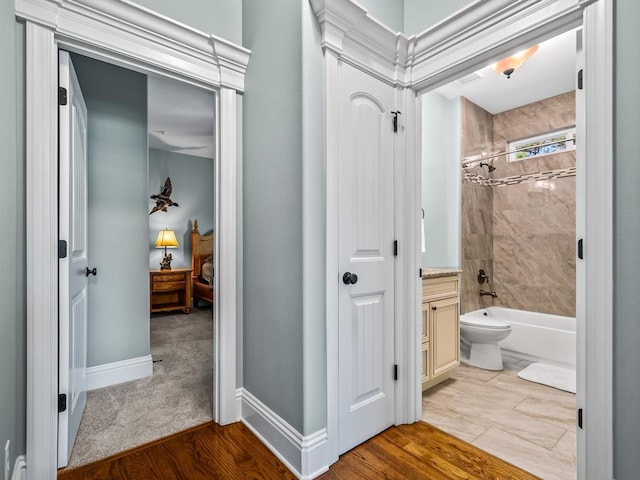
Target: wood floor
(417, 451)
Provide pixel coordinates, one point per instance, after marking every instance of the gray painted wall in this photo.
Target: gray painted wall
(441, 126)
(193, 187)
(272, 207)
(12, 261)
(420, 14)
(314, 213)
(626, 241)
(389, 12)
(223, 18)
(118, 211)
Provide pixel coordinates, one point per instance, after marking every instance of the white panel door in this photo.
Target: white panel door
(73, 268)
(366, 226)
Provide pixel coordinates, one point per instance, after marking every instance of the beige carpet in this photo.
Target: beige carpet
(176, 397)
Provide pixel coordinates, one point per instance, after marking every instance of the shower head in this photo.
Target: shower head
(490, 167)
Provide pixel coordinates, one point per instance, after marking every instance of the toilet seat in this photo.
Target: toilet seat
(483, 322)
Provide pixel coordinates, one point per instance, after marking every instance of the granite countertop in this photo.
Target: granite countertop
(429, 272)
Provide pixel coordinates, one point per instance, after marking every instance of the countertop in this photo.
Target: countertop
(429, 272)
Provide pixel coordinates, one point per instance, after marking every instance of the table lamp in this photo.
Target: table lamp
(166, 239)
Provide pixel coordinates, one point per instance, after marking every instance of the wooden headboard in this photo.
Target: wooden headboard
(201, 249)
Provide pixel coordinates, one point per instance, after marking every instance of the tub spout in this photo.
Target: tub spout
(491, 294)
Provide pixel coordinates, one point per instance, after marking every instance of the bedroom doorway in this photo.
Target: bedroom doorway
(151, 142)
(127, 37)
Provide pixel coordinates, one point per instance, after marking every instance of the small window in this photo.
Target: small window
(557, 141)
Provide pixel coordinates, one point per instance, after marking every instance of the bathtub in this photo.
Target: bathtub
(538, 337)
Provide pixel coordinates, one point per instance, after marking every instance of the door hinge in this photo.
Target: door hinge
(580, 79)
(395, 372)
(62, 96)
(62, 249)
(420, 272)
(62, 402)
(395, 248)
(580, 418)
(395, 120)
(580, 250)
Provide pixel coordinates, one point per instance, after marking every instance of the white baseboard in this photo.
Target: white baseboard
(20, 468)
(306, 456)
(113, 373)
(239, 404)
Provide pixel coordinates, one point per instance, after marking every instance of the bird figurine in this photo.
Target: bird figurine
(163, 199)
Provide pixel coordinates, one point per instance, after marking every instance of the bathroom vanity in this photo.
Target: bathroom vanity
(440, 324)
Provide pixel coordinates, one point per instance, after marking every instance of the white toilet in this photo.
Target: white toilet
(480, 335)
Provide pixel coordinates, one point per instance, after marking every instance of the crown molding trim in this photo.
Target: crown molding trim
(474, 35)
(141, 34)
(362, 41)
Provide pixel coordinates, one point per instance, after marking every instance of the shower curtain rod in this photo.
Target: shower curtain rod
(467, 161)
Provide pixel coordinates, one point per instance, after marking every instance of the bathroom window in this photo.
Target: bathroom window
(549, 143)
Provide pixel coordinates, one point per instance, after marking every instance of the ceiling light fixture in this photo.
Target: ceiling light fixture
(510, 64)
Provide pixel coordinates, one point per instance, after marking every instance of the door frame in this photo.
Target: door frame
(463, 42)
(139, 39)
(594, 282)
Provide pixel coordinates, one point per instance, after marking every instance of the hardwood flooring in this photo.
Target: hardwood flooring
(418, 451)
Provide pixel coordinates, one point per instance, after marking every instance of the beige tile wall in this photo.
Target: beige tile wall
(528, 245)
(477, 208)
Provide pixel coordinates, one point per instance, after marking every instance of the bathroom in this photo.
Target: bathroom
(514, 216)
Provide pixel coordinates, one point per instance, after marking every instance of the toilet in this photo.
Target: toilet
(480, 335)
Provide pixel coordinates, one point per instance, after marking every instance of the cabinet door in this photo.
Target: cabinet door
(425, 322)
(425, 363)
(444, 321)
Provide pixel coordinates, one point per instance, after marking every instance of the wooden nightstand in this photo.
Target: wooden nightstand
(170, 290)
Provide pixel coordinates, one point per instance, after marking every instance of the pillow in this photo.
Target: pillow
(207, 273)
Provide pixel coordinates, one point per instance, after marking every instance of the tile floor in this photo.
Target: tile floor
(529, 425)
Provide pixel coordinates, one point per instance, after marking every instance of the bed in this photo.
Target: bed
(202, 265)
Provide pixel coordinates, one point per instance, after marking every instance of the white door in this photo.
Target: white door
(366, 221)
(73, 267)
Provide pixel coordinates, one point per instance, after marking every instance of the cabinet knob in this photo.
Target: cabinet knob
(93, 271)
(434, 308)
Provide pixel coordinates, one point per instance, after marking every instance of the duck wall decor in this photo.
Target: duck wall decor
(163, 199)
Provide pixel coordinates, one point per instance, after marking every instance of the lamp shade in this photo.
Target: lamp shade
(510, 64)
(166, 239)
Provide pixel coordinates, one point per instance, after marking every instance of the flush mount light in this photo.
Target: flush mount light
(508, 65)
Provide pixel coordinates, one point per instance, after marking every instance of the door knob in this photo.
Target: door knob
(93, 271)
(350, 278)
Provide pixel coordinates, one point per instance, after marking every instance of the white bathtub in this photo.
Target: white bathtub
(538, 337)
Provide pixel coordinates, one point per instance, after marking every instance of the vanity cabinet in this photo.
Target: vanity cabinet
(440, 327)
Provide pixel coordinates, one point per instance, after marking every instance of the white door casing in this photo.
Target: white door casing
(366, 233)
(131, 36)
(73, 226)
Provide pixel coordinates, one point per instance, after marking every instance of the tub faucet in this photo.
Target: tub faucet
(491, 294)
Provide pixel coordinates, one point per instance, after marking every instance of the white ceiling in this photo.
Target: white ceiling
(181, 118)
(549, 72)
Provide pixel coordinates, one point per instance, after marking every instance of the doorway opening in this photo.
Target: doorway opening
(499, 175)
(149, 340)
(126, 37)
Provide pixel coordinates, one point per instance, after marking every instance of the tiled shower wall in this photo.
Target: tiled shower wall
(477, 208)
(532, 232)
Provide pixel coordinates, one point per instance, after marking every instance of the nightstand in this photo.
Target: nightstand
(170, 290)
